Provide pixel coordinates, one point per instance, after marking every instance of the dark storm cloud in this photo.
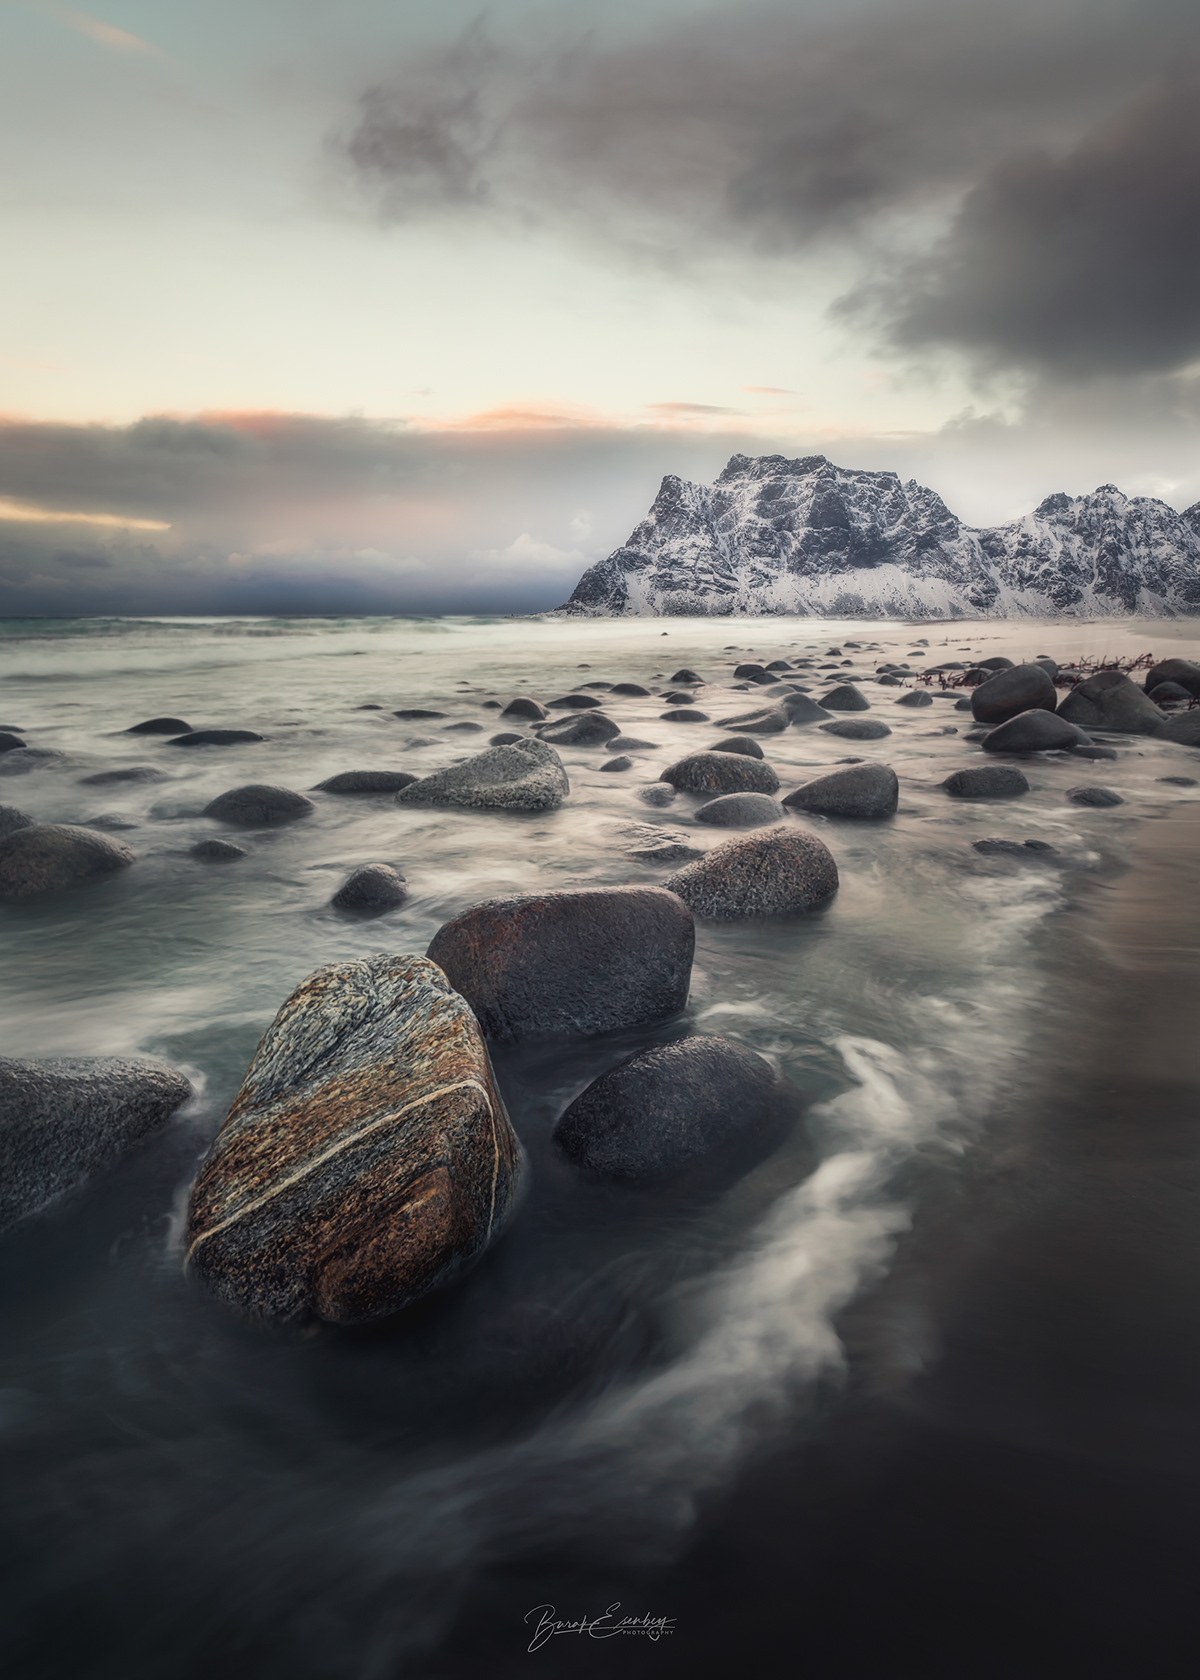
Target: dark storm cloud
(1081, 264)
(770, 128)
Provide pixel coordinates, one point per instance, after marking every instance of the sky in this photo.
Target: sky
(348, 305)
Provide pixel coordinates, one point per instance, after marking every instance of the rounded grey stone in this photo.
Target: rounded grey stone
(217, 851)
(719, 772)
(523, 707)
(857, 729)
(49, 856)
(259, 805)
(1019, 688)
(621, 763)
(160, 726)
(373, 888)
(367, 781)
(745, 746)
(1034, 731)
(741, 810)
(987, 781)
(11, 820)
(783, 872)
(135, 773)
(526, 776)
(1097, 797)
(866, 791)
(215, 738)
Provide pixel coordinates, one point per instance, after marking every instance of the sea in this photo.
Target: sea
(918, 1396)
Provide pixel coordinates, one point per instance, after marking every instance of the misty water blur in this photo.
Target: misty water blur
(318, 1501)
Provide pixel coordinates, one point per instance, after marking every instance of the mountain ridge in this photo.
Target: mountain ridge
(772, 535)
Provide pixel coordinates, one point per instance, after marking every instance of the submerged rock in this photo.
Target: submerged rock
(846, 698)
(217, 851)
(1184, 729)
(1098, 797)
(717, 772)
(367, 781)
(135, 773)
(65, 1119)
(618, 764)
(915, 697)
(1110, 701)
(586, 729)
(987, 781)
(19, 761)
(864, 790)
(10, 742)
(1035, 731)
(628, 743)
(259, 805)
(658, 793)
(160, 726)
(1027, 851)
(857, 729)
(800, 710)
(766, 720)
(371, 888)
(745, 746)
(781, 873)
(523, 707)
(570, 963)
(46, 857)
(506, 738)
(1015, 689)
(574, 702)
(703, 1109)
(741, 810)
(649, 844)
(634, 689)
(367, 1158)
(684, 714)
(686, 676)
(215, 738)
(526, 776)
(11, 820)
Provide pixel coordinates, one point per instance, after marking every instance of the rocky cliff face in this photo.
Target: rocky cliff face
(806, 537)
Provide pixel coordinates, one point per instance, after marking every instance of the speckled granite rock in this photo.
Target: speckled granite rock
(1034, 731)
(1110, 701)
(365, 781)
(371, 889)
(864, 790)
(702, 1109)
(11, 820)
(367, 1157)
(259, 805)
(526, 776)
(570, 963)
(49, 856)
(65, 1119)
(741, 810)
(986, 781)
(650, 844)
(719, 772)
(780, 873)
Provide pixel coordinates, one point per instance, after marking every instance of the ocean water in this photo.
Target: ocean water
(635, 1394)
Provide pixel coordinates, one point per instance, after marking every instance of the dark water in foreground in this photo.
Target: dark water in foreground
(918, 1397)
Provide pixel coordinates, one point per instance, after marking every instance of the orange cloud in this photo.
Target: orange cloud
(106, 34)
(26, 513)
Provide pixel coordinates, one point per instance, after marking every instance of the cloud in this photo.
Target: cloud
(688, 408)
(105, 34)
(950, 146)
(1080, 264)
(25, 513)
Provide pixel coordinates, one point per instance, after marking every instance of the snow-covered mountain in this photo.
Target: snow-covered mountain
(806, 537)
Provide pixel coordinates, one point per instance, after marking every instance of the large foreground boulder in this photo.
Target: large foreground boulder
(1022, 688)
(64, 1120)
(1110, 701)
(864, 790)
(703, 1109)
(48, 856)
(259, 805)
(721, 772)
(367, 1157)
(779, 873)
(526, 776)
(570, 963)
(1035, 731)
(1185, 672)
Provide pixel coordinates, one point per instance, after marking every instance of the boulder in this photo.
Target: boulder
(857, 729)
(570, 963)
(1050, 666)
(658, 793)
(987, 781)
(997, 664)
(367, 781)
(523, 707)
(371, 888)
(864, 790)
(764, 720)
(259, 805)
(217, 851)
(1184, 729)
(780, 873)
(1098, 797)
(10, 742)
(741, 810)
(744, 745)
(686, 676)
(632, 689)
(649, 844)
(161, 726)
(684, 714)
(628, 743)
(683, 698)
(1035, 731)
(11, 820)
(48, 856)
(65, 1119)
(1110, 701)
(1015, 689)
(367, 1158)
(215, 738)
(527, 776)
(19, 761)
(618, 764)
(915, 697)
(1168, 693)
(584, 730)
(845, 698)
(135, 773)
(704, 1110)
(1185, 672)
(112, 822)
(800, 709)
(753, 673)
(721, 772)
(574, 702)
